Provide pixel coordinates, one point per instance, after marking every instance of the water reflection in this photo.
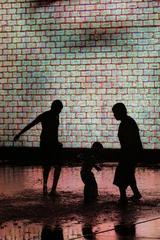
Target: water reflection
(127, 231)
(125, 228)
(17, 179)
(148, 230)
(20, 230)
(87, 232)
(49, 233)
(118, 223)
(31, 231)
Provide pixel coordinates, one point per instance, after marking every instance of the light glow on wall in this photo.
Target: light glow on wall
(90, 54)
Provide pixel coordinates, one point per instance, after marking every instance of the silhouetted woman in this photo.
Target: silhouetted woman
(131, 149)
(49, 144)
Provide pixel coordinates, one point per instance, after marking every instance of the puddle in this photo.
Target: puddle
(14, 180)
(24, 230)
(25, 214)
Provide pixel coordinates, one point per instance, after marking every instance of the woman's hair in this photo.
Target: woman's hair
(119, 108)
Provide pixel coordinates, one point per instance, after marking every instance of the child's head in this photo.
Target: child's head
(97, 146)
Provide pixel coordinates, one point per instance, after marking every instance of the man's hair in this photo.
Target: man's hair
(56, 104)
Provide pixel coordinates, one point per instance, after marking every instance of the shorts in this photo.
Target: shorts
(50, 154)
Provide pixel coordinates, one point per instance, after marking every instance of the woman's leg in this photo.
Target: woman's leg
(133, 186)
(123, 197)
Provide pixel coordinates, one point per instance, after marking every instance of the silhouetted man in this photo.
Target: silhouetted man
(131, 148)
(49, 144)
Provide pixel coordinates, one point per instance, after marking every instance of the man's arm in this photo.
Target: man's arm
(26, 128)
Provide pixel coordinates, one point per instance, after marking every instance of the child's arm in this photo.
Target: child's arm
(97, 167)
(94, 163)
(80, 156)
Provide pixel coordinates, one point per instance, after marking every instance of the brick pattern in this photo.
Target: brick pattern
(90, 54)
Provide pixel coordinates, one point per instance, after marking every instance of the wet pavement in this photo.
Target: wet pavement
(25, 214)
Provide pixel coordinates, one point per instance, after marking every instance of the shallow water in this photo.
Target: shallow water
(14, 180)
(24, 212)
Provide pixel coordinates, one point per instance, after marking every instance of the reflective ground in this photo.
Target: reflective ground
(25, 214)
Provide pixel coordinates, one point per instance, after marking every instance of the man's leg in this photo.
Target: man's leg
(57, 172)
(46, 170)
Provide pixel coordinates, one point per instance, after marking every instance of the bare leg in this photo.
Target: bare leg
(46, 170)
(57, 172)
(135, 189)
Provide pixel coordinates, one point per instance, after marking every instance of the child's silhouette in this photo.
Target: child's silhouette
(87, 176)
(49, 144)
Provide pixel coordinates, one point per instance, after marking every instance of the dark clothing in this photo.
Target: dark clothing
(124, 175)
(50, 153)
(131, 149)
(129, 137)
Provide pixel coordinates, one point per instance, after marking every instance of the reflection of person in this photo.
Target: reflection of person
(49, 144)
(49, 233)
(125, 228)
(87, 232)
(87, 176)
(131, 148)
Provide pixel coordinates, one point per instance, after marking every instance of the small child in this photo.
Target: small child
(87, 176)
